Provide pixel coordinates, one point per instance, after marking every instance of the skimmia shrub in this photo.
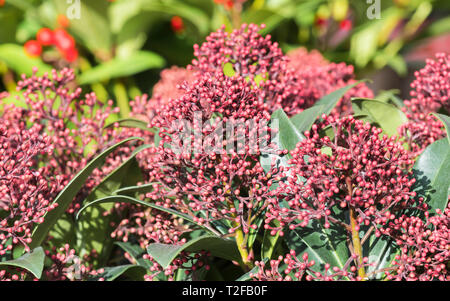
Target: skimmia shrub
(247, 164)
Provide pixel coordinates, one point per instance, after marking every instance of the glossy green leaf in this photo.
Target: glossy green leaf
(446, 121)
(253, 233)
(32, 262)
(380, 251)
(15, 58)
(286, 137)
(94, 226)
(329, 101)
(164, 254)
(135, 252)
(385, 115)
(304, 120)
(288, 133)
(132, 123)
(432, 174)
(132, 190)
(269, 241)
(121, 67)
(322, 245)
(112, 273)
(65, 197)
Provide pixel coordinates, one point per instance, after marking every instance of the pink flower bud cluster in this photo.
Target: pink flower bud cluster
(320, 77)
(67, 266)
(167, 87)
(293, 268)
(357, 168)
(425, 247)
(26, 193)
(15, 274)
(282, 81)
(75, 127)
(191, 182)
(431, 92)
(255, 58)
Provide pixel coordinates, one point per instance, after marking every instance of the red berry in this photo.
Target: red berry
(71, 55)
(45, 36)
(63, 21)
(63, 40)
(177, 24)
(33, 48)
(345, 25)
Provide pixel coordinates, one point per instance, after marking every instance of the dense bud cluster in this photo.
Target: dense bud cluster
(209, 181)
(431, 92)
(149, 226)
(67, 266)
(298, 269)
(320, 77)
(253, 57)
(25, 192)
(76, 130)
(293, 82)
(425, 247)
(167, 87)
(355, 169)
(205, 161)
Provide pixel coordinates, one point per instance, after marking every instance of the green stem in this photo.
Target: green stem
(357, 248)
(242, 247)
(122, 98)
(357, 243)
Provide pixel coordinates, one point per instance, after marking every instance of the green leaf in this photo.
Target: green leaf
(32, 262)
(228, 69)
(164, 254)
(127, 199)
(94, 226)
(63, 231)
(287, 137)
(385, 115)
(269, 241)
(380, 251)
(111, 273)
(135, 252)
(132, 190)
(15, 58)
(121, 67)
(65, 197)
(253, 233)
(322, 245)
(432, 174)
(304, 120)
(132, 123)
(329, 101)
(446, 121)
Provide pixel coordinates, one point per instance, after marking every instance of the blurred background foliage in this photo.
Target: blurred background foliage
(122, 45)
